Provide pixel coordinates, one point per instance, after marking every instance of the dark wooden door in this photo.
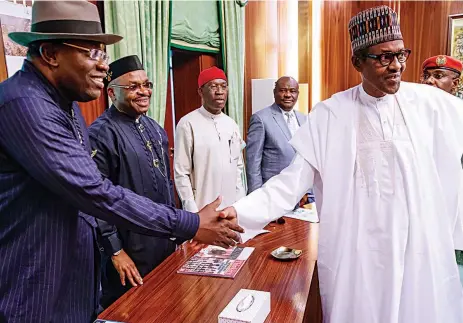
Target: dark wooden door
(186, 67)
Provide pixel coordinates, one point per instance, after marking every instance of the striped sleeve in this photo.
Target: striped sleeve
(46, 147)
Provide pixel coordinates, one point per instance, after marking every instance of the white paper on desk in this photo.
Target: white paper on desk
(249, 234)
(309, 215)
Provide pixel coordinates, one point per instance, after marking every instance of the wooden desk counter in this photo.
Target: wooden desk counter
(168, 297)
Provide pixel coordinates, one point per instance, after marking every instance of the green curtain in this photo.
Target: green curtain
(145, 26)
(231, 20)
(195, 25)
(459, 256)
(232, 32)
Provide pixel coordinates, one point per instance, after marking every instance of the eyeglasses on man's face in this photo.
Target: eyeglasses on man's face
(215, 87)
(94, 53)
(385, 59)
(135, 86)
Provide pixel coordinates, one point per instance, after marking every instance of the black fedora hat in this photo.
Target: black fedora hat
(58, 19)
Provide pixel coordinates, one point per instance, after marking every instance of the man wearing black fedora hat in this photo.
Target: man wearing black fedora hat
(49, 262)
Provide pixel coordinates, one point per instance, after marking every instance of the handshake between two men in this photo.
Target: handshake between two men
(218, 227)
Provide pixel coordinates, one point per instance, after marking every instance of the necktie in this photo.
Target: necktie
(291, 123)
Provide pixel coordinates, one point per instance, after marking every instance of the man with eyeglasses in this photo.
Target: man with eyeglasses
(131, 150)
(443, 72)
(384, 160)
(208, 161)
(49, 269)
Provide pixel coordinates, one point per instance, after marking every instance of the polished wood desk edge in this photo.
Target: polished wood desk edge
(169, 267)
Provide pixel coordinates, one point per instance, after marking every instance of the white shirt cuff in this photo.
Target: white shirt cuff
(190, 206)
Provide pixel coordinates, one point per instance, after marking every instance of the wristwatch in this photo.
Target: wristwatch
(117, 252)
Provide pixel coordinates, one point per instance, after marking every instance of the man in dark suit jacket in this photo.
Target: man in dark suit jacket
(48, 181)
(268, 150)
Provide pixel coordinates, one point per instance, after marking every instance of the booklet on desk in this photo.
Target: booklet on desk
(217, 261)
(305, 214)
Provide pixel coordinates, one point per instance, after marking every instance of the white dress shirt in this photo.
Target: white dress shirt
(291, 120)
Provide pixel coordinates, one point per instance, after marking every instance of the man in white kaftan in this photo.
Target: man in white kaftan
(384, 161)
(208, 161)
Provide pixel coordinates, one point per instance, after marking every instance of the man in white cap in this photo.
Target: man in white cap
(49, 263)
(384, 159)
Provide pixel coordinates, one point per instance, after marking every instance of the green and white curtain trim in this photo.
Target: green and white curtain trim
(180, 44)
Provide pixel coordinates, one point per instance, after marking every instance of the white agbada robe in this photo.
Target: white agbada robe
(208, 160)
(387, 180)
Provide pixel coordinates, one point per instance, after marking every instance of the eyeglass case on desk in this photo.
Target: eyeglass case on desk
(254, 309)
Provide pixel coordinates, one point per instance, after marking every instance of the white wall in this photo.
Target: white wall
(262, 93)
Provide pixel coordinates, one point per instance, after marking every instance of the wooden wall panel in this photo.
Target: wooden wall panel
(270, 35)
(3, 69)
(424, 26)
(169, 127)
(305, 45)
(168, 121)
(186, 68)
(93, 109)
(261, 48)
(206, 61)
(283, 38)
